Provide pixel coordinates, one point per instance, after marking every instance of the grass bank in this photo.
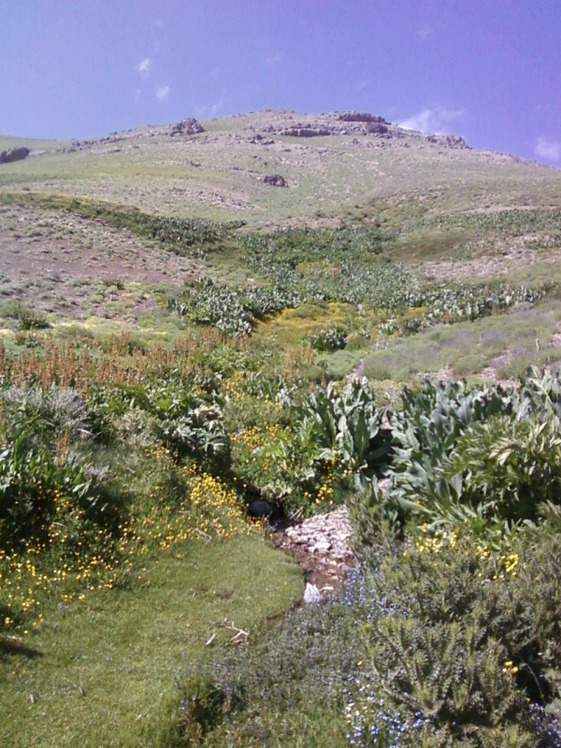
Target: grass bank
(100, 671)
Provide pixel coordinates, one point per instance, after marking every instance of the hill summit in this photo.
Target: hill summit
(333, 167)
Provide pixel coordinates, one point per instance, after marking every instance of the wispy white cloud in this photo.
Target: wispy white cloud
(218, 105)
(211, 110)
(273, 60)
(361, 85)
(437, 120)
(144, 66)
(424, 30)
(162, 92)
(550, 149)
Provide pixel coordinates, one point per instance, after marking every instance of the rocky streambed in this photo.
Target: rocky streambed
(322, 547)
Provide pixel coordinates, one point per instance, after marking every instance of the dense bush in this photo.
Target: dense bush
(170, 409)
(332, 339)
(234, 310)
(332, 440)
(482, 457)
(345, 423)
(49, 486)
(457, 652)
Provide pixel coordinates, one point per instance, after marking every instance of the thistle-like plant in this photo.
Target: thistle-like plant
(347, 425)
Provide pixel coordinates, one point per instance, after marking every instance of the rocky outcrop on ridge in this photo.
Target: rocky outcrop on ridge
(452, 141)
(14, 154)
(306, 132)
(185, 127)
(290, 124)
(188, 126)
(366, 129)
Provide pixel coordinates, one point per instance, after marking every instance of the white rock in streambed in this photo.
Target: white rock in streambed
(312, 596)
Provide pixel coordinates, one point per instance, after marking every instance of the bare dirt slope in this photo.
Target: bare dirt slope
(451, 213)
(60, 263)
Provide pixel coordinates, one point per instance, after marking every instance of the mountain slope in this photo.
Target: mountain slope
(108, 231)
(360, 168)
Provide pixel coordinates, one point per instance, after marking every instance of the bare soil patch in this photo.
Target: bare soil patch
(500, 264)
(60, 263)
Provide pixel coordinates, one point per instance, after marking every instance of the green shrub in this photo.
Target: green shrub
(333, 439)
(27, 319)
(333, 339)
(49, 490)
(505, 469)
(485, 457)
(287, 686)
(59, 410)
(457, 652)
(44, 497)
(170, 410)
(344, 424)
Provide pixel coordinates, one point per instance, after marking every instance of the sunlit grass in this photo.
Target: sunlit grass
(508, 343)
(99, 669)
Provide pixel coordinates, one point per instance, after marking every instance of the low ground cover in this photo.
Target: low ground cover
(98, 668)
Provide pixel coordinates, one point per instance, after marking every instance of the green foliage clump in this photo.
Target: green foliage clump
(347, 266)
(450, 302)
(333, 339)
(287, 686)
(333, 439)
(505, 470)
(456, 654)
(480, 457)
(233, 310)
(169, 410)
(504, 224)
(345, 423)
(28, 319)
(49, 487)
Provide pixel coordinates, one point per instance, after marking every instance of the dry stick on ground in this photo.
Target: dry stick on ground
(237, 638)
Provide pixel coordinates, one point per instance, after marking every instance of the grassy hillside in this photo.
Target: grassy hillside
(217, 173)
(449, 213)
(179, 337)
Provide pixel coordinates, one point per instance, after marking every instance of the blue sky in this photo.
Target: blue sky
(489, 70)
